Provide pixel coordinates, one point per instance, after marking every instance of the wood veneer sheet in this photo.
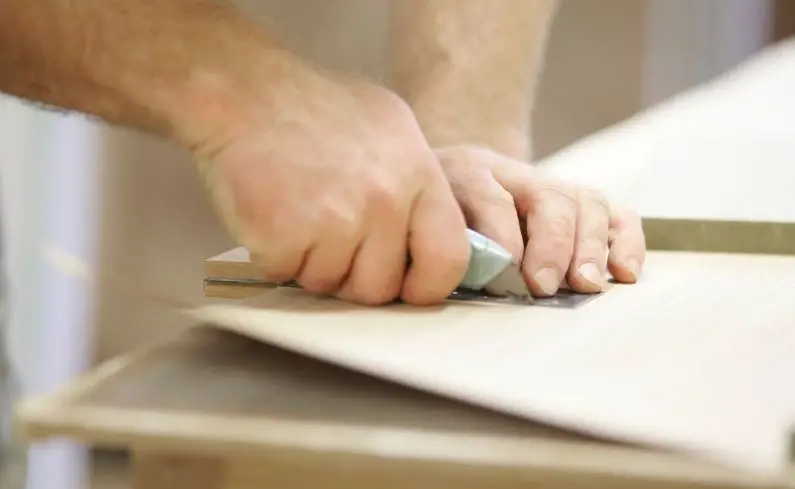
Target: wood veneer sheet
(699, 356)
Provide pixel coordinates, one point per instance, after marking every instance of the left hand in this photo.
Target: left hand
(560, 233)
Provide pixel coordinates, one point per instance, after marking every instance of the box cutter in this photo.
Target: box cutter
(492, 276)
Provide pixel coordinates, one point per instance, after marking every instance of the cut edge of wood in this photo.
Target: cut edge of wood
(662, 234)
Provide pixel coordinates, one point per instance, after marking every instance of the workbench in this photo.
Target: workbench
(212, 410)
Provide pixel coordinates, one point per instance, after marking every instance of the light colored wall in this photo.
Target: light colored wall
(595, 58)
(690, 42)
(594, 71)
(158, 228)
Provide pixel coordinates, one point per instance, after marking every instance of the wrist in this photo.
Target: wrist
(453, 107)
(512, 142)
(217, 100)
(447, 120)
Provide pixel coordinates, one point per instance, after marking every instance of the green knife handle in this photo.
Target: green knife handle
(486, 261)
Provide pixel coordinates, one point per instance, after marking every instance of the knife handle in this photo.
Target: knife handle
(486, 261)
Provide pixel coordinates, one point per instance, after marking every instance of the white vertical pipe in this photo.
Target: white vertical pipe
(63, 328)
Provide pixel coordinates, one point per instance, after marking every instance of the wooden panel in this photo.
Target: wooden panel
(234, 263)
(215, 395)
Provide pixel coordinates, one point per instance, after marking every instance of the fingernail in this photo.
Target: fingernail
(548, 280)
(591, 273)
(633, 267)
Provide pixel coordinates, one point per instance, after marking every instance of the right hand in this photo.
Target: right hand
(336, 189)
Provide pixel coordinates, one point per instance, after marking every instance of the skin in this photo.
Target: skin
(577, 236)
(325, 179)
(469, 69)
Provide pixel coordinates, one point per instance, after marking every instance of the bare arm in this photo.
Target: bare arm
(173, 68)
(469, 68)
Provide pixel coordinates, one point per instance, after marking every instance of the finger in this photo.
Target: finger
(549, 211)
(589, 263)
(327, 263)
(627, 246)
(379, 263)
(376, 276)
(551, 229)
(378, 268)
(276, 247)
(489, 209)
(496, 218)
(278, 265)
(438, 245)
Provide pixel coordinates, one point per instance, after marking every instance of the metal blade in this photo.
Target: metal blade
(510, 283)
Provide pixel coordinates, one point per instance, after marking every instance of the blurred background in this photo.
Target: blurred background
(134, 207)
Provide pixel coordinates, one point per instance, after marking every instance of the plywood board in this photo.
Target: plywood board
(657, 362)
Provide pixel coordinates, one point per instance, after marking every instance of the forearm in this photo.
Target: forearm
(469, 68)
(174, 68)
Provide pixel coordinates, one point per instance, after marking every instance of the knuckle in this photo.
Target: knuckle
(484, 195)
(596, 200)
(341, 222)
(592, 247)
(494, 208)
(555, 250)
(467, 155)
(388, 105)
(623, 217)
(546, 198)
(593, 225)
(556, 192)
(426, 165)
(385, 194)
(467, 182)
(453, 161)
(594, 218)
(388, 98)
(560, 227)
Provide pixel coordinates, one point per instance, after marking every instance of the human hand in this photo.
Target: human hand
(561, 234)
(332, 188)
